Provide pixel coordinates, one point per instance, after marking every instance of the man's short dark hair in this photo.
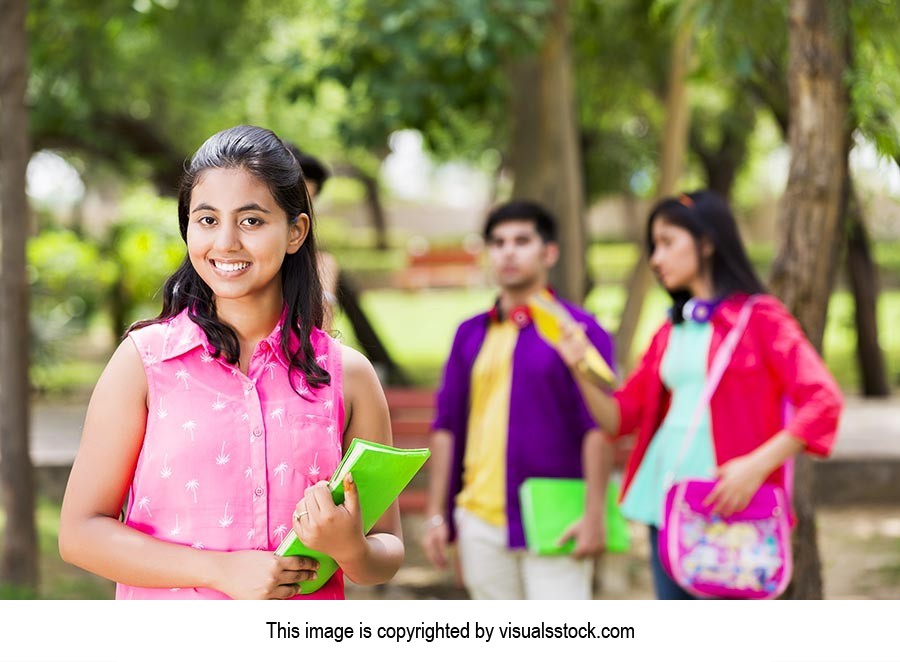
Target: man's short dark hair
(313, 170)
(523, 210)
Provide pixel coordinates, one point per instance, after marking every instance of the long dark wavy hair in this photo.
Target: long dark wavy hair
(706, 215)
(262, 154)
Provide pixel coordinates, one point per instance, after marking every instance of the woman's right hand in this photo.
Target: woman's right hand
(259, 575)
(573, 344)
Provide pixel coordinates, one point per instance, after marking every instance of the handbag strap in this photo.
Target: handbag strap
(717, 369)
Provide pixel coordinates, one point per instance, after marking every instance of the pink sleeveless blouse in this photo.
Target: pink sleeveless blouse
(226, 456)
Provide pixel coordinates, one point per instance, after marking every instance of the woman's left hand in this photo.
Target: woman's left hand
(590, 537)
(326, 527)
(738, 481)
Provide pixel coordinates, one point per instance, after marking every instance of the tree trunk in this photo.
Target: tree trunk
(373, 200)
(376, 210)
(809, 216)
(863, 276)
(19, 564)
(545, 151)
(722, 161)
(674, 147)
(372, 347)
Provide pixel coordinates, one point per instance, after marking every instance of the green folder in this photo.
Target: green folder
(551, 505)
(380, 473)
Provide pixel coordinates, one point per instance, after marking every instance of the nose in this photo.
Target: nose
(507, 249)
(227, 237)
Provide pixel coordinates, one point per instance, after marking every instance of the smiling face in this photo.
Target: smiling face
(238, 236)
(520, 259)
(677, 261)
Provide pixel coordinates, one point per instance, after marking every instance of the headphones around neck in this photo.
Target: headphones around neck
(699, 310)
(520, 315)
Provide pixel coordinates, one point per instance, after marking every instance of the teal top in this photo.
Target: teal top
(683, 372)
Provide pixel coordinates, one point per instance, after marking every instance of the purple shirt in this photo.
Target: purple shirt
(547, 415)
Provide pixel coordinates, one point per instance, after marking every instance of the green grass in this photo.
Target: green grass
(58, 579)
(418, 328)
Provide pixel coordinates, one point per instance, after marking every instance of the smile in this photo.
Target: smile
(230, 267)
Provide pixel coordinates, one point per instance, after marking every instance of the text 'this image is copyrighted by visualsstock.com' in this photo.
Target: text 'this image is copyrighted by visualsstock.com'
(430, 632)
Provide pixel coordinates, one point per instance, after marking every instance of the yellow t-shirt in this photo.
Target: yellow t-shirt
(484, 465)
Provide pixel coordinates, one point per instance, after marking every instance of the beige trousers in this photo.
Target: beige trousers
(492, 571)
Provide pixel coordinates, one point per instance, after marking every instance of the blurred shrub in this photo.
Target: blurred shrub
(70, 279)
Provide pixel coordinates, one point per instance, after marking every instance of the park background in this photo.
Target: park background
(427, 114)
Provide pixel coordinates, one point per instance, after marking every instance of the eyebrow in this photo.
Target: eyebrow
(250, 206)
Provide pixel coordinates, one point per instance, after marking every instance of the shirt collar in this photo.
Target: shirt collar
(184, 335)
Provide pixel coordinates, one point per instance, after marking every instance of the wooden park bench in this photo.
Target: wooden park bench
(441, 266)
(412, 411)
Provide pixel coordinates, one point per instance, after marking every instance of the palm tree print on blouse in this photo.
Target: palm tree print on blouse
(314, 468)
(189, 426)
(222, 458)
(183, 375)
(278, 414)
(218, 405)
(279, 471)
(192, 486)
(270, 366)
(166, 470)
(144, 504)
(175, 529)
(226, 520)
(279, 532)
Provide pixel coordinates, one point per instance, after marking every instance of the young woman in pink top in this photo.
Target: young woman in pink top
(697, 255)
(219, 421)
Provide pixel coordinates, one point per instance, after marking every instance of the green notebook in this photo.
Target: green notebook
(380, 473)
(552, 505)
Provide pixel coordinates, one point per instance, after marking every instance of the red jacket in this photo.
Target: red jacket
(773, 364)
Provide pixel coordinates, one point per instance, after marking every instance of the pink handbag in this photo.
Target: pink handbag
(746, 555)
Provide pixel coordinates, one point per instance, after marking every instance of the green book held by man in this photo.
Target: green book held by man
(551, 505)
(380, 473)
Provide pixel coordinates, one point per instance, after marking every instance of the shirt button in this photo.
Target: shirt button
(248, 388)
(259, 491)
(257, 432)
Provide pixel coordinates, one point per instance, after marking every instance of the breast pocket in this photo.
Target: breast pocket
(315, 445)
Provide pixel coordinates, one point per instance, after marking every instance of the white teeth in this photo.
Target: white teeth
(231, 266)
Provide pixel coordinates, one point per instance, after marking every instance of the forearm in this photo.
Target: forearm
(597, 462)
(378, 560)
(107, 547)
(603, 407)
(439, 472)
(776, 451)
